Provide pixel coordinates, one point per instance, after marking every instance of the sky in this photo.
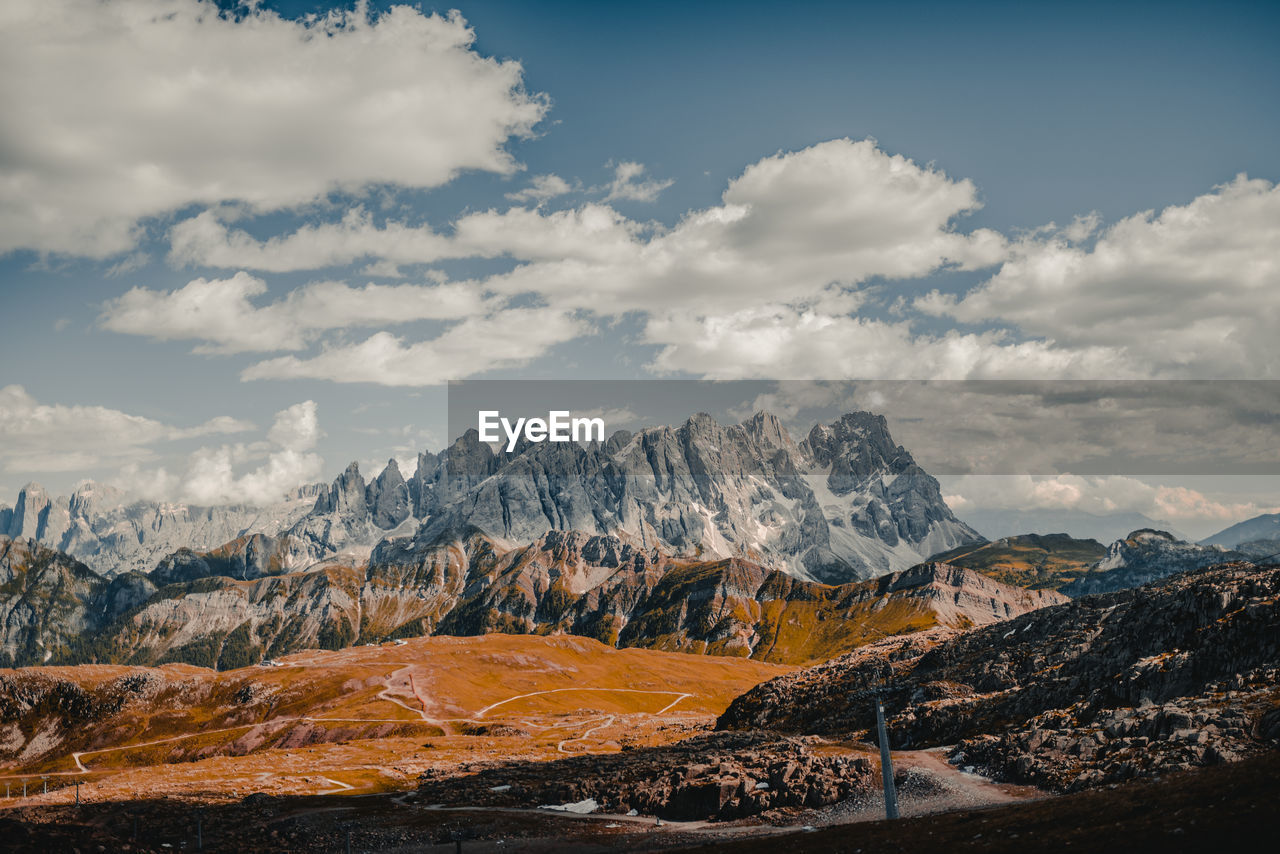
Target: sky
(242, 245)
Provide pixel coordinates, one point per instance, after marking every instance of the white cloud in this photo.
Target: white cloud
(786, 342)
(628, 184)
(266, 112)
(296, 428)
(788, 228)
(222, 312)
(506, 339)
(762, 285)
(204, 240)
(1191, 291)
(214, 475)
(541, 188)
(36, 437)
(770, 282)
(1100, 495)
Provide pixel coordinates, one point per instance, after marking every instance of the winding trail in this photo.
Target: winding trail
(608, 721)
(679, 696)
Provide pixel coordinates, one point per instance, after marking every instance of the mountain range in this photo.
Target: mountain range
(845, 503)
(732, 540)
(995, 524)
(55, 610)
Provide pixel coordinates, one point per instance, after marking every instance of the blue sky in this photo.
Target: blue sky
(697, 234)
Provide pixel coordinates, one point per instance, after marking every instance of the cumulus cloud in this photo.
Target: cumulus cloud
(628, 184)
(506, 339)
(296, 428)
(1190, 291)
(217, 475)
(765, 282)
(222, 312)
(37, 437)
(788, 228)
(245, 107)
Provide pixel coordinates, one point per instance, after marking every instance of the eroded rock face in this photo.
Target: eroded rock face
(1105, 669)
(719, 777)
(388, 497)
(1069, 749)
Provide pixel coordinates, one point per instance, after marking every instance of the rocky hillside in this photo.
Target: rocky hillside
(1263, 528)
(468, 584)
(49, 602)
(1034, 561)
(1144, 556)
(1174, 674)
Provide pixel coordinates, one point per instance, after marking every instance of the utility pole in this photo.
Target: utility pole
(886, 765)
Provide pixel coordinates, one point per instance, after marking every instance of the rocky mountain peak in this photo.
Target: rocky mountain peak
(346, 496)
(1151, 535)
(768, 432)
(859, 441)
(388, 497)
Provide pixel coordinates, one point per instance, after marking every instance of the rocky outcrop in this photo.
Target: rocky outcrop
(1144, 556)
(1057, 751)
(719, 776)
(1087, 665)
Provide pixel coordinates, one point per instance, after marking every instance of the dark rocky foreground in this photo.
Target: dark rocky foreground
(1169, 676)
(719, 776)
(1206, 809)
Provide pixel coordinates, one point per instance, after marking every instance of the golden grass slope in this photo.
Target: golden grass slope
(369, 717)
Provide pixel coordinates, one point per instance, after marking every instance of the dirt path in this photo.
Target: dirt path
(678, 694)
